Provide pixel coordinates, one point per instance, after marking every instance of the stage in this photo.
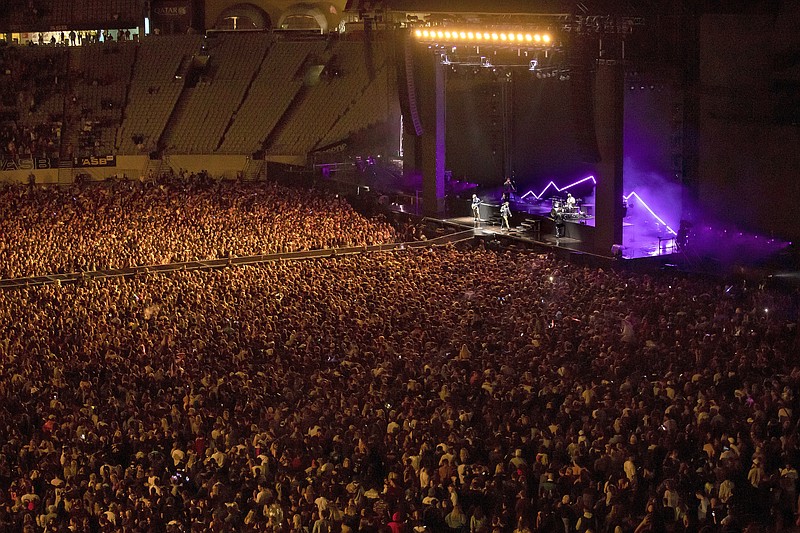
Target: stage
(641, 237)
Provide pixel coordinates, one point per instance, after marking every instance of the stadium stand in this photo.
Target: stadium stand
(275, 86)
(40, 15)
(189, 94)
(204, 111)
(156, 86)
(32, 107)
(100, 75)
(346, 74)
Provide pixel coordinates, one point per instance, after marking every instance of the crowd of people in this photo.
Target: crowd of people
(444, 389)
(29, 79)
(125, 224)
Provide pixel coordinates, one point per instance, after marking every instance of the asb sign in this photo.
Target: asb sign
(84, 162)
(38, 163)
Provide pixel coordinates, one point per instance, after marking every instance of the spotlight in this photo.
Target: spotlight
(511, 37)
(519, 36)
(426, 33)
(419, 33)
(546, 38)
(439, 34)
(471, 35)
(479, 36)
(447, 35)
(537, 38)
(486, 36)
(462, 35)
(528, 37)
(494, 37)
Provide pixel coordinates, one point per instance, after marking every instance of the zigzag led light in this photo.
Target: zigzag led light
(626, 197)
(650, 211)
(557, 188)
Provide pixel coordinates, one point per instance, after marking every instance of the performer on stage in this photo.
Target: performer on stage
(560, 225)
(508, 188)
(476, 207)
(570, 202)
(505, 215)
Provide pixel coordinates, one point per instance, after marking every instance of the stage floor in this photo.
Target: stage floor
(486, 227)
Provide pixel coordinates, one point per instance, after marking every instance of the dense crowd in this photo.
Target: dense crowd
(436, 390)
(130, 223)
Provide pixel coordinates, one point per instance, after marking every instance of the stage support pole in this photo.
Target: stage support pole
(608, 118)
(430, 146)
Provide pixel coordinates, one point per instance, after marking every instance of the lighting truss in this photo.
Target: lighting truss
(474, 36)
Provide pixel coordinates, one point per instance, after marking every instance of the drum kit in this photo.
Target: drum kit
(567, 212)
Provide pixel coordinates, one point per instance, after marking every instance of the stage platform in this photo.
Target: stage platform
(529, 235)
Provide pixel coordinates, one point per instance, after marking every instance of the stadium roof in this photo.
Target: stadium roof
(523, 7)
(528, 7)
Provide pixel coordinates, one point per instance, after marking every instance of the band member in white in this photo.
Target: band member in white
(570, 202)
(505, 215)
(476, 207)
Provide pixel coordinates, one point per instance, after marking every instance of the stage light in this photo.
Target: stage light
(419, 33)
(439, 34)
(528, 37)
(462, 35)
(426, 33)
(479, 36)
(503, 37)
(511, 37)
(471, 35)
(557, 188)
(447, 35)
(650, 211)
(486, 36)
(546, 38)
(519, 36)
(494, 37)
(537, 38)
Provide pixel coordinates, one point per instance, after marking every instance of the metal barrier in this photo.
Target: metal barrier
(72, 277)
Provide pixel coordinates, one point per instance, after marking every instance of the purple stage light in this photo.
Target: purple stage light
(559, 189)
(650, 211)
(594, 181)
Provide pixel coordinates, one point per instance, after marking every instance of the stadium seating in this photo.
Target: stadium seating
(204, 111)
(273, 89)
(100, 76)
(189, 94)
(32, 99)
(155, 90)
